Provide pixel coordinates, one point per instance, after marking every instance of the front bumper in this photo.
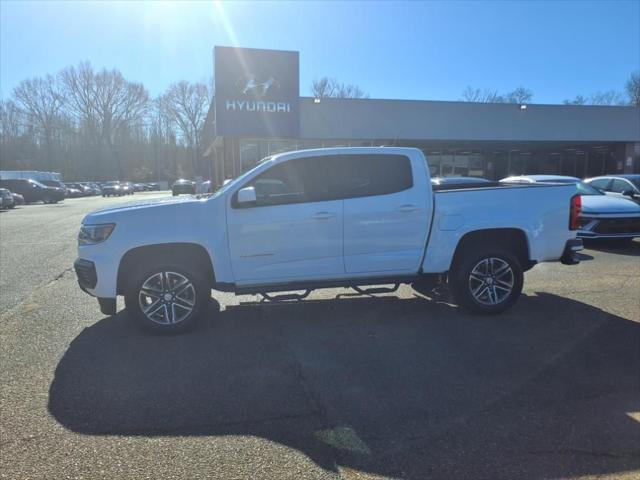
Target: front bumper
(571, 249)
(88, 279)
(184, 189)
(86, 273)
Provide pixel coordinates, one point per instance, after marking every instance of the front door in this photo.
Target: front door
(294, 232)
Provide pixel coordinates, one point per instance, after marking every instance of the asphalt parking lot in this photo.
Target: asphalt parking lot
(336, 386)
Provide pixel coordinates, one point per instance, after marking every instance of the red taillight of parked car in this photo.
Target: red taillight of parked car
(576, 210)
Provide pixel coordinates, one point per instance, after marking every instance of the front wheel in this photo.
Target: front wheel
(487, 282)
(167, 299)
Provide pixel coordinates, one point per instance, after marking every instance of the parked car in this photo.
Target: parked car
(74, 192)
(33, 191)
(127, 188)
(602, 217)
(622, 186)
(138, 187)
(342, 217)
(94, 188)
(183, 186)
(17, 199)
(112, 188)
(85, 190)
(53, 183)
(207, 186)
(7, 198)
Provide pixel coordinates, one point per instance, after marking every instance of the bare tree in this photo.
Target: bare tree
(322, 88)
(476, 95)
(609, 97)
(519, 95)
(188, 104)
(632, 88)
(41, 100)
(326, 87)
(11, 129)
(104, 103)
(577, 100)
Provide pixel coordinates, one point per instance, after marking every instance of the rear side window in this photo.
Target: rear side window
(370, 175)
(600, 183)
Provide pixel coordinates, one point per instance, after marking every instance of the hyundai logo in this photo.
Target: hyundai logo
(248, 85)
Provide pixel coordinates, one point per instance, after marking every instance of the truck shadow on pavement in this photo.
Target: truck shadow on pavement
(403, 387)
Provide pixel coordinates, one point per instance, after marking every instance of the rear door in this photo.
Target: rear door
(294, 230)
(386, 208)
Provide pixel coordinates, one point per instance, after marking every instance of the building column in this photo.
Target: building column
(631, 158)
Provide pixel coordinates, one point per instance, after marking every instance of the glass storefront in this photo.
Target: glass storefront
(252, 150)
(490, 162)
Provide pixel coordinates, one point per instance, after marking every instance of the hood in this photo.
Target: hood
(607, 204)
(110, 213)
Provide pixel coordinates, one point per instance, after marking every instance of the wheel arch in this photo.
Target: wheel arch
(191, 254)
(512, 239)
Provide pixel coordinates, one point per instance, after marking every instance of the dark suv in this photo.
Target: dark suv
(33, 191)
(183, 186)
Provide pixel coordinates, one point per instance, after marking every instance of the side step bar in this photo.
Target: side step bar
(285, 296)
(302, 296)
(374, 290)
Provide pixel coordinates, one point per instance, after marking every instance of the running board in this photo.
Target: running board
(285, 296)
(375, 290)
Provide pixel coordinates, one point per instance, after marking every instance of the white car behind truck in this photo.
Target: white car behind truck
(344, 217)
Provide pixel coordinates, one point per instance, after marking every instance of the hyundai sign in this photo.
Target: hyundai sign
(256, 92)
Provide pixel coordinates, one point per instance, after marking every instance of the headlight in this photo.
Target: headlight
(92, 234)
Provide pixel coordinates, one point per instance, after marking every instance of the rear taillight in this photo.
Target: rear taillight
(576, 210)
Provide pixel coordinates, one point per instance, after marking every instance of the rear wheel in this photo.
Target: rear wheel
(168, 298)
(47, 199)
(487, 282)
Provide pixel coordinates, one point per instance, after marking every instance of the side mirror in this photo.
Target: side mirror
(628, 193)
(247, 196)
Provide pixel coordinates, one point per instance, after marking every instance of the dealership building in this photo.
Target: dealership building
(258, 111)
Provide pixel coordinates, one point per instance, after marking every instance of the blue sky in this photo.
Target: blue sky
(414, 50)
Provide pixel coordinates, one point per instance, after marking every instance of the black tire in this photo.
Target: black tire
(201, 298)
(487, 290)
(46, 199)
(174, 194)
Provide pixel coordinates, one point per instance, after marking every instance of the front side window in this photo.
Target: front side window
(294, 181)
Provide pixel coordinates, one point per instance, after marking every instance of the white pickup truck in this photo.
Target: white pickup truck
(340, 217)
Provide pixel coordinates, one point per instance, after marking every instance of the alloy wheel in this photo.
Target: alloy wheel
(491, 281)
(167, 297)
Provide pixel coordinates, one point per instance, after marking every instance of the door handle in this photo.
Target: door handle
(408, 208)
(323, 215)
